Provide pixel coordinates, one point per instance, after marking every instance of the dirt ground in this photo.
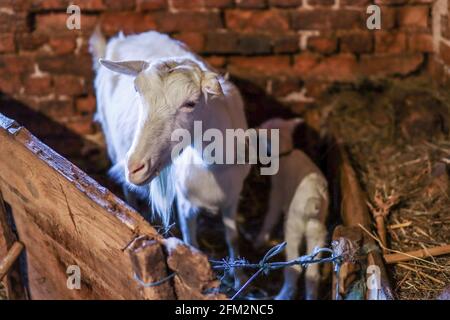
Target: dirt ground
(397, 134)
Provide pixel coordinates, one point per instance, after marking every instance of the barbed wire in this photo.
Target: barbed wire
(264, 266)
(342, 250)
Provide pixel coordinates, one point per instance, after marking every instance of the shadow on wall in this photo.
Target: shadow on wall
(259, 107)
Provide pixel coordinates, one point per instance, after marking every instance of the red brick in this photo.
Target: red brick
(249, 44)
(321, 44)
(31, 41)
(50, 4)
(221, 42)
(51, 22)
(414, 16)
(282, 86)
(357, 42)
(216, 61)
(285, 3)
(261, 64)
(16, 22)
(16, 5)
(420, 43)
(388, 17)
(56, 109)
(91, 5)
(342, 67)
(61, 45)
(119, 4)
(187, 5)
(327, 19)
(268, 20)
(69, 85)
(219, 3)
(193, 40)
(9, 83)
(390, 42)
(150, 5)
(16, 64)
(78, 65)
(128, 22)
(38, 86)
(322, 3)
(7, 43)
(305, 62)
(86, 105)
(256, 4)
(387, 65)
(286, 43)
(356, 3)
(81, 125)
(188, 21)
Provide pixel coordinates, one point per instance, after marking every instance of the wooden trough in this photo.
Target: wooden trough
(61, 217)
(64, 218)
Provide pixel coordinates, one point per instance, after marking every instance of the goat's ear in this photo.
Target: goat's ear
(293, 123)
(210, 84)
(131, 68)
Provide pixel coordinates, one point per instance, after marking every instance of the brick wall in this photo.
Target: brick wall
(440, 62)
(288, 49)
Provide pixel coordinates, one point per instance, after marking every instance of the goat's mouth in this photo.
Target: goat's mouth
(145, 177)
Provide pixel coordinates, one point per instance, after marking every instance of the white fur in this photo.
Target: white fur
(300, 191)
(138, 124)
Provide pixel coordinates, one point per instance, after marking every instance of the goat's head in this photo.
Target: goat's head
(286, 131)
(172, 94)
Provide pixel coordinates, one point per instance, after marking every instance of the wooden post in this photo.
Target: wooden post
(149, 266)
(10, 249)
(354, 212)
(349, 271)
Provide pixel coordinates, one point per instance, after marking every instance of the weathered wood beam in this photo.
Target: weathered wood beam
(354, 211)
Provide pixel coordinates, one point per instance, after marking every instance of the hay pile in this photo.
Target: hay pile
(397, 135)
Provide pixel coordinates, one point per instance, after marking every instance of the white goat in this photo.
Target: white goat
(300, 191)
(158, 86)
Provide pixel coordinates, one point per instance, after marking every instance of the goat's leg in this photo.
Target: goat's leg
(271, 218)
(232, 236)
(294, 232)
(187, 216)
(316, 233)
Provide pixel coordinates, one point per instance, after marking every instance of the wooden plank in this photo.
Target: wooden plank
(147, 256)
(354, 212)
(65, 218)
(350, 271)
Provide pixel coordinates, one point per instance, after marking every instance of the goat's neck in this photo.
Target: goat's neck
(216, 116)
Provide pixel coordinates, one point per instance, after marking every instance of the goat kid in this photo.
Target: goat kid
(158, 86)
(299, 190)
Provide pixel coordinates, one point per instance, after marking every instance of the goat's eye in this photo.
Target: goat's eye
(189, 105)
